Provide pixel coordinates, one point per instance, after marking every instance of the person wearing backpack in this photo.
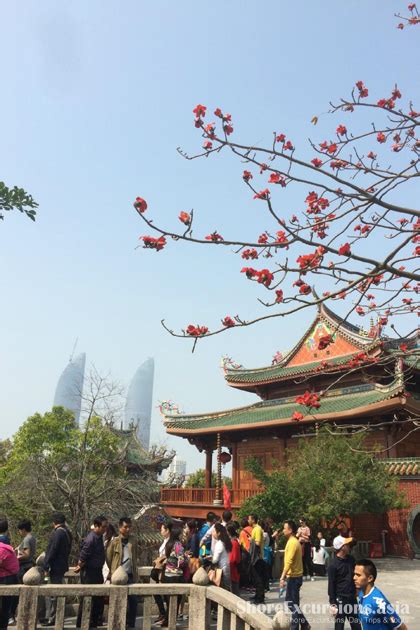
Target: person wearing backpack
(9, 571)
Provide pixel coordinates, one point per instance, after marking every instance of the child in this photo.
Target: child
(319, 557)
(375, 611)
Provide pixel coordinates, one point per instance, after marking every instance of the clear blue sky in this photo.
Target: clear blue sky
(96, 96)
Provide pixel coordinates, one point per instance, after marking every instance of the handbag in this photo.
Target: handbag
(215, 576)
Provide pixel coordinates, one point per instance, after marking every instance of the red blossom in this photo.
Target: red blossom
(276, 178)
(228, 129)
(332, 148)
(214, 237)
(153, 243)
(185, 218)
(345, 250)
(248, 254)
(403, 347)
(360, 310)
(309, 400)
(386, 103)
(279, 296)
(297, 416)
(341, 130)
(218, 112)
(363, 91)
(209, 129)
(228, 322)
(324, 342)
(281, 138)
(263, 194)
(381, 138)
(281, 238)
(140, 205)
(263, 238)
(207, 145)
(371, 155)
(247, 175)
(317, 162)
(265, 277)
(196, 331)
(249, 272)
(288, 146)
(411, 6)
(200, 111)
(305, 289)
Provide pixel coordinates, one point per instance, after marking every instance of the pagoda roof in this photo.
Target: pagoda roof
(343, 403)
(305, 357)
(137, 456)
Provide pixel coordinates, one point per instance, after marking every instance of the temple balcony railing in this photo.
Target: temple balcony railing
(233, 613)
(201, 496)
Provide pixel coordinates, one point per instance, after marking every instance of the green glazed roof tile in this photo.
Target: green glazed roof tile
(282, 409)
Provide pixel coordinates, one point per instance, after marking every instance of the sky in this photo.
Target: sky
(96, 97)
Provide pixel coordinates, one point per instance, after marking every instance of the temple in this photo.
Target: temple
(363, 378)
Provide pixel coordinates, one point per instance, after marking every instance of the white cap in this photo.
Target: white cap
(340, 541)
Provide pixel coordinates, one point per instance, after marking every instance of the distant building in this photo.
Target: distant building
(68, 393)
(176, 471)
(138, 405)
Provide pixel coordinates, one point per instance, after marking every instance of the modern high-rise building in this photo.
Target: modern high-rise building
(68, 393)
(138, 405)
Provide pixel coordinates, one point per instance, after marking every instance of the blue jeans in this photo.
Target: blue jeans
(293, 602)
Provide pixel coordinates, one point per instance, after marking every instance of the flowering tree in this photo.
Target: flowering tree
(348, 235)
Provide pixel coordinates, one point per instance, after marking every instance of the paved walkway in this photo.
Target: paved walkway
(398, 578)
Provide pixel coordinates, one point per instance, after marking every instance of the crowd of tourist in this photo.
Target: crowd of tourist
(237, 556)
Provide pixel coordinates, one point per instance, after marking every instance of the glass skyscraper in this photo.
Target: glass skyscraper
(138, 405)
(68, 393)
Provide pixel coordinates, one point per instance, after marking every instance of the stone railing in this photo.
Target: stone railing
(233, 613)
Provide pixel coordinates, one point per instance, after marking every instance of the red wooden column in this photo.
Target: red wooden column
(209, 458)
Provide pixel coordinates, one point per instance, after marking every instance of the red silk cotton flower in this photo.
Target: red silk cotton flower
(324, 342)
(228, 322)
(276, 178)
(316, 162)
(185, 218)
(305, 289)
(247, 175)
(309, 399)
(345, 250)
(265, 277)
(263, 194)
(196, 331)
(297, 416)
(140, 205)
(214, 237)
(200, 111)
(153, 243)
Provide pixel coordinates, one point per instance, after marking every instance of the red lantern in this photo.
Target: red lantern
(225, 457)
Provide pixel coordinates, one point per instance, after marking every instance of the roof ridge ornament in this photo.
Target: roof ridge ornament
(227, 363)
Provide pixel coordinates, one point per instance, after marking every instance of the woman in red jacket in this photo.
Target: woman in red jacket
(234, 559)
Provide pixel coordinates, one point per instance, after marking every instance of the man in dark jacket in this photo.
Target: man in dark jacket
(341, 589)
(91, 562)
(56, 561)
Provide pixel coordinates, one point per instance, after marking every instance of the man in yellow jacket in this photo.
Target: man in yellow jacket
(291, 576)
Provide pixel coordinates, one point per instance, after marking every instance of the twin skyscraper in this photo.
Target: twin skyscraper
(138, 402)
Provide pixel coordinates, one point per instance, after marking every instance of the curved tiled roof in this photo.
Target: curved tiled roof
(281, 410)
(409, 467)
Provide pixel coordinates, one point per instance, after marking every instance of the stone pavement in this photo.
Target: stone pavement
(398, 578)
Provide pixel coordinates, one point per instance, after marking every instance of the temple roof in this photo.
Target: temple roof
(306, 356)
(340, 403)
(135, 454)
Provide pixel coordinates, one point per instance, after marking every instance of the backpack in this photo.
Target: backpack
(245, 562)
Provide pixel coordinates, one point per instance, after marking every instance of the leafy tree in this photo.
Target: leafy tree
(197, 479)
(323, 479)
(16, 199)
(54, 464)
